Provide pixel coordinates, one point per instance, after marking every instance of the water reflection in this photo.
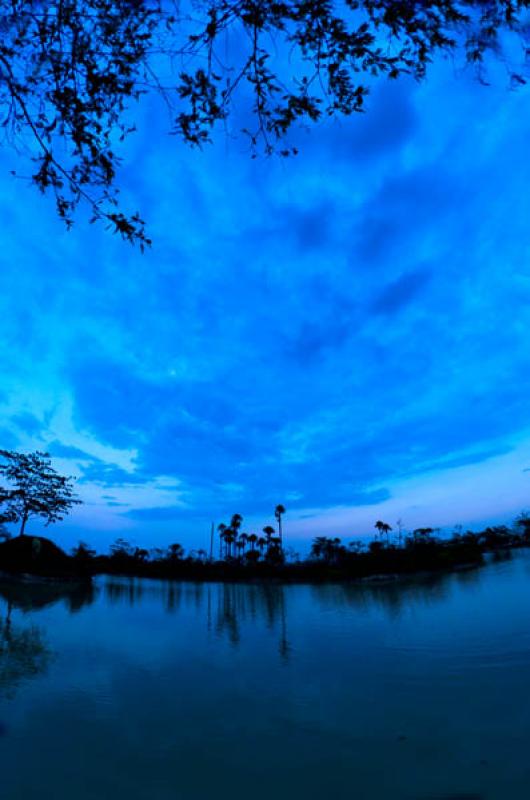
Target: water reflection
(229, 611)
(230, 608)
(236, 604)
(30, 596)
(395, 596)
(23, 654)
(160, 689)
(227, 607)
(132, 591)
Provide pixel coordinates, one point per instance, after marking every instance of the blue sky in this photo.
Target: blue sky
(345, 332)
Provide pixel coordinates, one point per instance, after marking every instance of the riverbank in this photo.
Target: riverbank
(377, 561)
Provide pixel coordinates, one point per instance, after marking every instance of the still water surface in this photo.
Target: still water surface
(148, 690)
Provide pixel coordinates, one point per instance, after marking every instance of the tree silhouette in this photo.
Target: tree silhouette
(242, 543)
(176, 551)
(34, 489)
(221, 529)
(268, 530)
(230, 537)
(278, 511)
(83, 552)
(384, 528)
(326, 548)
(69, 72)
(235, 522)
(423, 533)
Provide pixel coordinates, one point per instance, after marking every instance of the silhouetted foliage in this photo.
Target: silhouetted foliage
(83, 552)
(39, 556)
(329, 559)
(247, 556)
(34, 489)
(383, 528)
(71, 69)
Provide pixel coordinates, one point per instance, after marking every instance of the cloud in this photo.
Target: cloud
(315, 330)
(399, 293)
(156, 514)
(60, 450)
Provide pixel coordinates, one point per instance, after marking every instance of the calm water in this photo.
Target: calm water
(152, 690)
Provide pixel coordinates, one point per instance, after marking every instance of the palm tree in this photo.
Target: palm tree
(221, 528)
(230, 537)
(268, 530)
(262, 543)
(326, 548)
(176, 551)
(318, 547)
(278, 511)
(252, 538)
(383, 527)
(243, 539)
(235, 522)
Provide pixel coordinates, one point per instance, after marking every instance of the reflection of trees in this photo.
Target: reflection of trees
(227, 605)
(127, 590)
(132, 591)
(394, 595)
(237, 603)
(23, 650)
(32, 595)
(23, 654)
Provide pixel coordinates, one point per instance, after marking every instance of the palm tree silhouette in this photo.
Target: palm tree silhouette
(221, 528)
(278, 511)
(268, 530)
(235, 522)
(176, 551)
(383, 528)
(326, 548)
(230, 536)
(242, 543)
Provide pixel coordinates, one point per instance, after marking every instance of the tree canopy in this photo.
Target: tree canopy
(71, 69)
(33, 488)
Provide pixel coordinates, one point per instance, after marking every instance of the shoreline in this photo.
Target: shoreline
(377, 565)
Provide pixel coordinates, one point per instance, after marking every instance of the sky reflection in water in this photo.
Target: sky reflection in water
(165, 690)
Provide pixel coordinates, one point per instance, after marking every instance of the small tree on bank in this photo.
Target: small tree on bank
(34, 489)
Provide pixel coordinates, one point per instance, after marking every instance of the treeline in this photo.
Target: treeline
(236, 555)
(330, 558)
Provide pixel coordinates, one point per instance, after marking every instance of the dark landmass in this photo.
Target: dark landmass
(330, 560)
(40, 558)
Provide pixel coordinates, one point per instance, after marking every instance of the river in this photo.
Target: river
(151, 690)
